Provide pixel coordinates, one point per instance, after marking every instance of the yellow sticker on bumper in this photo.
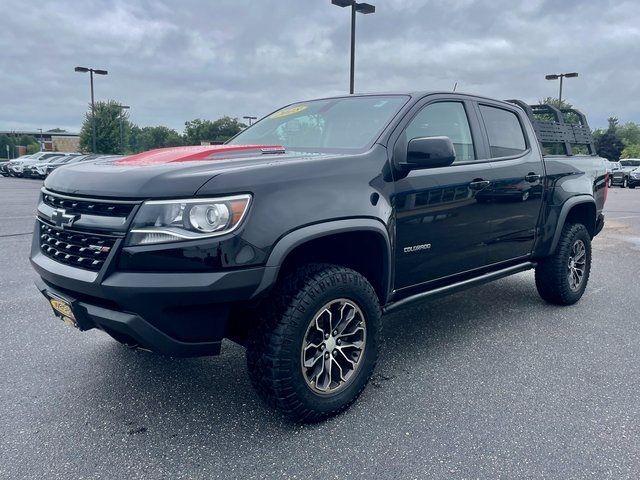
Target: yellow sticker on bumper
(62, 307)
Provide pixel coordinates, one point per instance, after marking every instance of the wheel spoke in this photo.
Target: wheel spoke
(347, 358)
(352, 344)
(349, 334)
(342, 379)
(327, 374)
(317, 375)
(319, 316)
(310, 362)
(345, 318)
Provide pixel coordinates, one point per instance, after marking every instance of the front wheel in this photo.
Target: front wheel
(316, 346)
(562, 277)
(624, 182)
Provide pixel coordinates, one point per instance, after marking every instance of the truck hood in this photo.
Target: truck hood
(162, 173)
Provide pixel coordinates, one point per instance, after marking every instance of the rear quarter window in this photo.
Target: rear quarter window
(504, 130)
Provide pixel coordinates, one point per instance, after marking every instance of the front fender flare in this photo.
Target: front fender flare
(291, 240)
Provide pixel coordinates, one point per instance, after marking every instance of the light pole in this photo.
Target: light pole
(247, 117)
(561, 77)
(41, 142)
(355, 7)
(93, 107)
(122, 107)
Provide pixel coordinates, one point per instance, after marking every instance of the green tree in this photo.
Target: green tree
(554, 102)
(569, 117)
(33, 148)
(631, 151)
(148, 138)
(608, 143)
(30, 142)
(629, 133)
(4, 141)
(221, 130)
(112, 123)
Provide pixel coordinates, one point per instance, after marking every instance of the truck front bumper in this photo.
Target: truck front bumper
(175, 314)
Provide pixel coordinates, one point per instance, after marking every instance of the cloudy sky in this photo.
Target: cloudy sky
(173, 61)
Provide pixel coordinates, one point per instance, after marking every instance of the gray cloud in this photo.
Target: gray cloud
(174, 61)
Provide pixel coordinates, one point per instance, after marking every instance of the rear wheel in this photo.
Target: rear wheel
(624, 182)
(317, 344)
(562, 277)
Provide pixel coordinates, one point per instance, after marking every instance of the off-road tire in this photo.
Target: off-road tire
(552, 280)
(275, 344)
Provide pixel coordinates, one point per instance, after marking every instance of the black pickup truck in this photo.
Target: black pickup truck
(298, 234)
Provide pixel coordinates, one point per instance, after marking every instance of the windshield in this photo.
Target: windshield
(335, 124)
(630, 163)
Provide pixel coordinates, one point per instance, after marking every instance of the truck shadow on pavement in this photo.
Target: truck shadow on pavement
(145, 393)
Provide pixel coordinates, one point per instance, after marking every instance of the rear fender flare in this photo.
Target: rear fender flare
(566, 208)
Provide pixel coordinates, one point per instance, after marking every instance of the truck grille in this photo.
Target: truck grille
(110, 209)
(78, 249)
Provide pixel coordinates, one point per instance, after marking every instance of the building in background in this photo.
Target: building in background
(50, 141)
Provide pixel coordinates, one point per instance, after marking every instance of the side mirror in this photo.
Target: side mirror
(430, 152)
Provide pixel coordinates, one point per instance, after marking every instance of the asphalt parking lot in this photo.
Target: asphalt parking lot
(488, 383)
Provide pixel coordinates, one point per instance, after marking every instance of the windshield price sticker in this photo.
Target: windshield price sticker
(289, 111)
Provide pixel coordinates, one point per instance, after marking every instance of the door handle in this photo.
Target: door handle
(479, 184)
(532, 177)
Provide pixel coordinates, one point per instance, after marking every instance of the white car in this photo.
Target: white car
(17, 167)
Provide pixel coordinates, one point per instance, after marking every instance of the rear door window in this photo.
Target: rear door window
(504, 130)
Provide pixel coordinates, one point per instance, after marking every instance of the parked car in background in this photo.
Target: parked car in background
(621, 176)
(634, 178)
(34, 169)
(39, 169)
(81, 158)
(16, 167)
(4, 166)
(611, 168)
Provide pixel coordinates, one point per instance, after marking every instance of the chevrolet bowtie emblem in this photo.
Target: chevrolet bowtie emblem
(61, 218)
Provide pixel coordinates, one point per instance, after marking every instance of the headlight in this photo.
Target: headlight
(160, 221)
